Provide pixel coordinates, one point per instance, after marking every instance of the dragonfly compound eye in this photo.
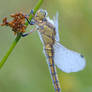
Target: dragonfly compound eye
(41, 14)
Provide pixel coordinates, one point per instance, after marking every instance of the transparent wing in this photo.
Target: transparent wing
(55, 18)
(68, 60)
(50, 20)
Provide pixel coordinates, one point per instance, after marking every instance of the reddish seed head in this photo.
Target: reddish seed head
(17, 24)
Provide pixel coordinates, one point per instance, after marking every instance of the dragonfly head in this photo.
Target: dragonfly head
(40, 15)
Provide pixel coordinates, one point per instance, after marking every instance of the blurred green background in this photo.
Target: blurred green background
(26, 69)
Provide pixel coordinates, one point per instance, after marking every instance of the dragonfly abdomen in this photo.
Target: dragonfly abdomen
(50, 55)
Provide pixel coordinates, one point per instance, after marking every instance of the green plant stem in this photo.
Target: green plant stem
(2, 62)
(10, 50)
(35, 9)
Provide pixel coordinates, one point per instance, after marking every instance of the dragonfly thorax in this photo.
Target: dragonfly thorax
(47, 32)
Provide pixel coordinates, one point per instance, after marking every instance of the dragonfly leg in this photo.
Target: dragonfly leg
(29, 22)
(31, 31)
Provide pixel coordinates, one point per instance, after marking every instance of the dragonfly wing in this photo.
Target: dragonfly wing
(51, 21)
(55, 18)
(68, 60)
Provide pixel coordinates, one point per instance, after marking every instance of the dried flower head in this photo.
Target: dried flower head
(17, 24)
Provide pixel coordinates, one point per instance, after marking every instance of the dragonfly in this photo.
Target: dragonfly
(56, 54)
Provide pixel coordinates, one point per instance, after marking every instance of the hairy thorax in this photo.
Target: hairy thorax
(47, 31)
